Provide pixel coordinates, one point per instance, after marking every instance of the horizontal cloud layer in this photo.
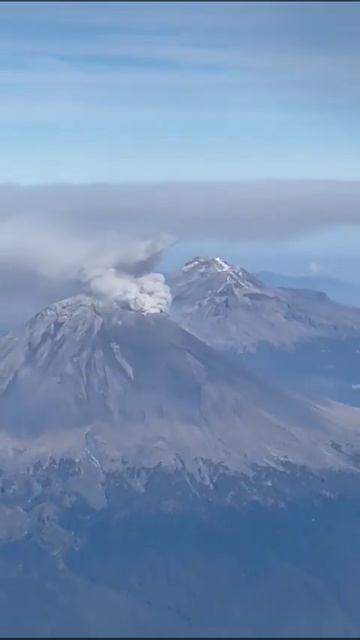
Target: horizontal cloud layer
(234, 210)
(51, 235)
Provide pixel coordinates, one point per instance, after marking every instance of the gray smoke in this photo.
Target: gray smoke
(56, 240)
(126, 276)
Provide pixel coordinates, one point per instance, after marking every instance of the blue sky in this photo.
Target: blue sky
(178, 91)
(195, 95)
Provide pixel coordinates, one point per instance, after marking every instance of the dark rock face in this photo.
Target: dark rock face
(257, 571)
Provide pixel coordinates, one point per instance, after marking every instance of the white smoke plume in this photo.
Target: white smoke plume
(148, 293)
(126, 276)
(43, 261)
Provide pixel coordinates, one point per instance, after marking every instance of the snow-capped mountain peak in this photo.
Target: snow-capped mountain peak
(206, 266)
(199, 263)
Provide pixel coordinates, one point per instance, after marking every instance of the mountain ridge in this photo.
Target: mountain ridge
(232, 309)
(341, 291)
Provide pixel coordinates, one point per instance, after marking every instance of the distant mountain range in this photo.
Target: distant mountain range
(344, 292)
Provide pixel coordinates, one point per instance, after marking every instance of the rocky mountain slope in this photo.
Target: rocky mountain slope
(230, 308)
(141, 385)
(300, 338)
(150, 485)
(122, 410)
(347, 293)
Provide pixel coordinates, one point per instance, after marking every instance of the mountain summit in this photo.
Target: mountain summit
(240, 278)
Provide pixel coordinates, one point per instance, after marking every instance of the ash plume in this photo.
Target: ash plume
(126, 276)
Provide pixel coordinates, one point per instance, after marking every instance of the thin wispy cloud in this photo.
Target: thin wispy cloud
(242, 90)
